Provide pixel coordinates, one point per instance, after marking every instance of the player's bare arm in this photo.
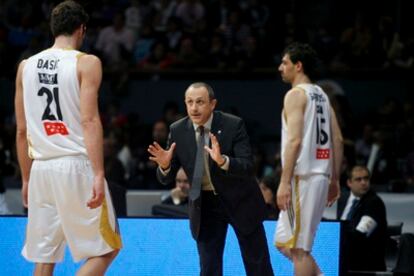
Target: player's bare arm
(21, 135)
(294, 108)
(90, 76)
(337, 146)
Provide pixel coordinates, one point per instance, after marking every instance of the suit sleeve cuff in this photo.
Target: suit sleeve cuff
(164, 172)
(226, 164)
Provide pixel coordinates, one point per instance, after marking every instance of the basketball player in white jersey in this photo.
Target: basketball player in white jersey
(311, 158)
(60, 152)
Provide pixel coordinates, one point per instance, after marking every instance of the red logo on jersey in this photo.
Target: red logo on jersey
(322, 153)
(53, 128)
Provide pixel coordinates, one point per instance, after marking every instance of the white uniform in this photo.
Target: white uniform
(61, 175)
(297, 226)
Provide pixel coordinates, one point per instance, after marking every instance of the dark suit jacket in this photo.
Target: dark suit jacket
(365, 253)
(237, 188)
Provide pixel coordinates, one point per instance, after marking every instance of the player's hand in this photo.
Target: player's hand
(25, 192)
(333, 193)
(284, 195)
(161, 156)
(214, 151)
(98, 193)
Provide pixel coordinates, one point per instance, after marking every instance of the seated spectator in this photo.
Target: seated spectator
(115, 42)
(190, 12)
(158, 59)
(187, 56)
(179, 195)
(365, 223)
(114, 169)
(268, 186)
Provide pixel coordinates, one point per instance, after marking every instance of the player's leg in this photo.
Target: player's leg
(304, 263)
(314, 191)
(44, 243)
(44, 269)
(92, 234)
(97, 265)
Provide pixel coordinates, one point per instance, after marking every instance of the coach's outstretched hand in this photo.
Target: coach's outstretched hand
(161, 156)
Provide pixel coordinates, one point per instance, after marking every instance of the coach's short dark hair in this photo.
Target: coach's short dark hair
(67, 17)
(210, 90)
(350, 172)
(305, 54)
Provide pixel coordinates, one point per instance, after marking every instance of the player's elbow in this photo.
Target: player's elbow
(295, 142)
(21, 132)
(339, 140)
(88, 122)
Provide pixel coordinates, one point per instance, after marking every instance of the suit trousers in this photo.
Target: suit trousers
(211, 241)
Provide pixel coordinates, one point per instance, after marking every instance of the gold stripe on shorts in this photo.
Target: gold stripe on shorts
(110, 236)
(292, 215)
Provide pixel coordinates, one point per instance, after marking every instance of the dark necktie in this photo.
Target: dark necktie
(352, 209)
(198, 167)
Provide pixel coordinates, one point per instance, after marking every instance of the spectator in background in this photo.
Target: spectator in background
(365, 223)
(164, 11)
(268, 186)
(143, 45)
(187, 56)
(114, 169)
(133, 18)
(115, 174)
(147, 168)
(179, 195)
(236, 32)
(171, 112)
(363, 145)
(173, 33)
(115, 42)
(160, 132)
(190, 12)
(217, 55)
(158, 59)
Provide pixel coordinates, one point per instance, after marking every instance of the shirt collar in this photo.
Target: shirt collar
(207, 125)
(352, 197)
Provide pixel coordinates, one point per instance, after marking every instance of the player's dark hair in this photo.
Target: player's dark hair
(67, 17)
(306, 55)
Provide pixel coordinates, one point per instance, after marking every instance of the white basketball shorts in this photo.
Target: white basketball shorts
(296, 227)
(57, 213)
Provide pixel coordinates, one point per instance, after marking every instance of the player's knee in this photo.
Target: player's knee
(298, 253)
(111, 255)
(114, 253)
(284, 250)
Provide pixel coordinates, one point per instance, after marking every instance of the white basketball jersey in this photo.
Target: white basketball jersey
(315, 154)
(52, 104)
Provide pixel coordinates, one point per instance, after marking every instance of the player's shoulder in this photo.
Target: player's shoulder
(88, 62)
(296, 93)
(88, 58)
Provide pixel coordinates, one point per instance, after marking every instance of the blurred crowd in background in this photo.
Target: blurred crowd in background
(180, 37)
